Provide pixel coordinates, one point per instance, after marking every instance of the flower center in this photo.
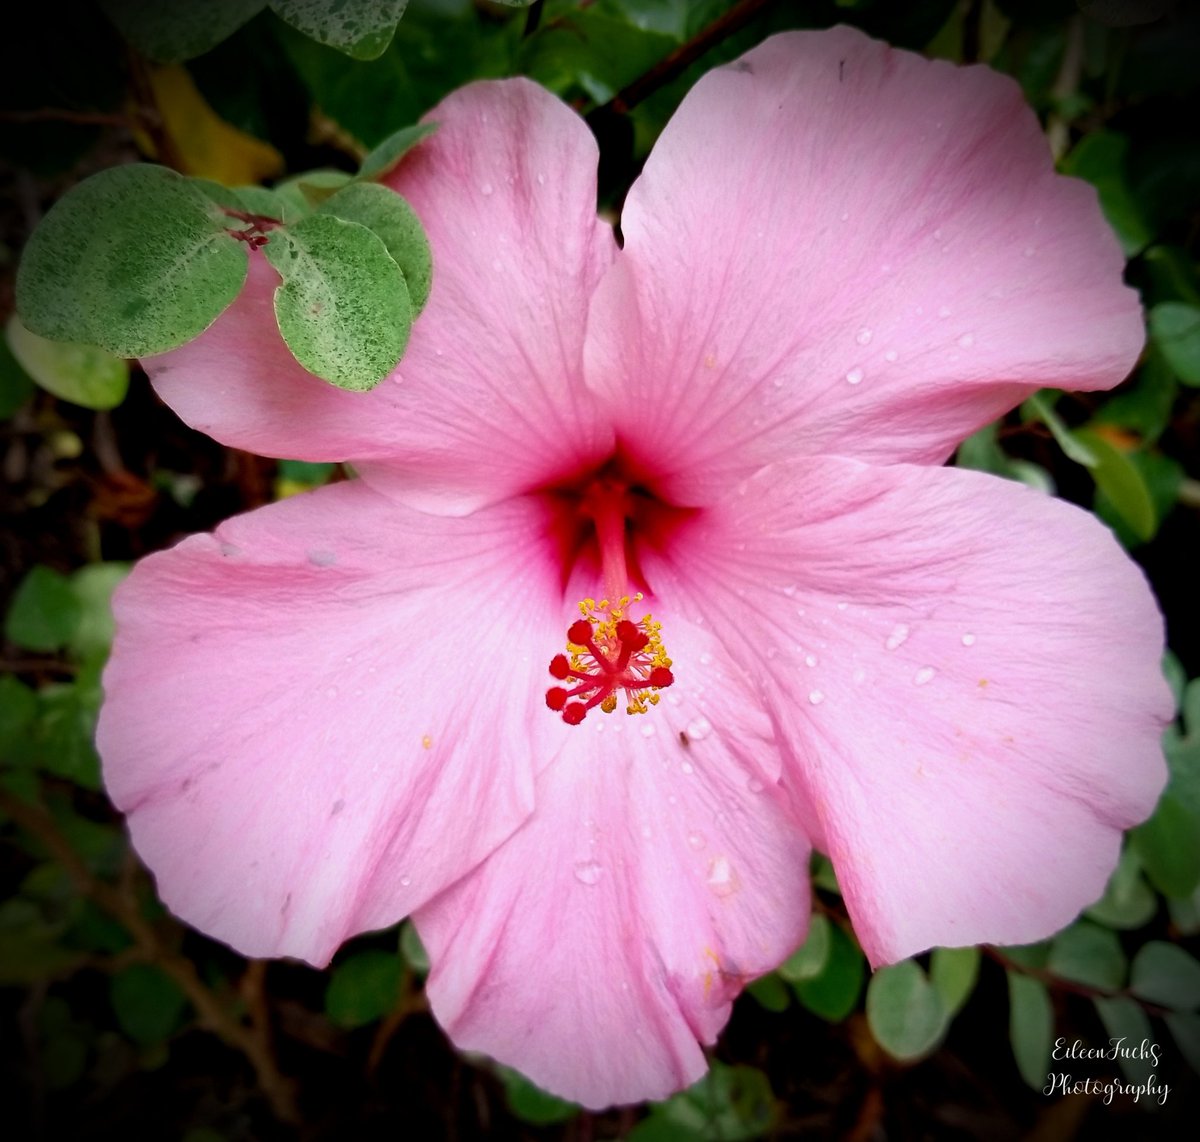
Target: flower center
(608, 650)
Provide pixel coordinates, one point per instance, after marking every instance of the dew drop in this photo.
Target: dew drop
(897, 637)
(810, 660)
(925, 674)
(968, 639)
(587, 871)
(322, 558)
(406, 881)
(706, 659)
(842, 606)
(854, 377)
(486, 188)
(647, 832)
(698, 730)
(541, 179)
(967, 340)
(790, 590)
(860, 675)
(720, 876)
(864, 337)
(754, 785)
(648, 729)
(1029, 251)
(890, 355)
(815, 697)
(688, 768)
(696, 841)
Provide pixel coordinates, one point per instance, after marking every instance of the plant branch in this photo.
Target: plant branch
(253, 1041)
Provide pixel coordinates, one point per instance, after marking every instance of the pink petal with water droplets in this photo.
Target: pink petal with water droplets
(965, 675)
(595, 948)
(320, 716)
(836, 247)
(488, 399)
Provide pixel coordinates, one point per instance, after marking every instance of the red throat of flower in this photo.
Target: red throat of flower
(608, 650)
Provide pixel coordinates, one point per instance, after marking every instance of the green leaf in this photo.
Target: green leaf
(1128, 902)
(1040, 407)
(1118, 477)
(305, 192)
(1167, 975)
(1088, 954)
(93, 586)
(1124, 1019)
(1144, 405)
(385, 213)
(362, 30)
(170, 32)
(1172, 274)
(343, 307)
(412, 949)
(1168, 845)
(1185, 1029)
(833, 994)
(81, 374)
(1185, 913)
(62, 737)
(770, 992)
(1175, 328)
(18, 707)
(532, 1104)
(16, 385)
(147, 1003)
(268, 203)
(809, 960)
(905, 1011)
(382, 158)
(733, 1104)
(363, 988)
(1100, 159)
(135, 260)
(1030, 1027)
(954, 972)
(44, 613)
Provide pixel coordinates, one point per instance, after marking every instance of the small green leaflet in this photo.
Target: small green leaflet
(343, 307)
(81, 374)
(170, 32)
(905, 1011)
(362, 29)
(388, 153)
(387, 214)
(136, 260)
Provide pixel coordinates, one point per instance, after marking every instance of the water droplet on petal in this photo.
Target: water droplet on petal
(696, 840)
(854, 377)
(789, 590)
(486, 188)
(864, 336)
(699, 729)
(720, 876)
(706, 659)
(967, 340)
(816, 697)
(968, 639)
(406, 881)
(842, 606)
(754, 785)
(860, 674)
(897, 637)
(890, 355)
(810, 660)
(688, 768)
(541, 178)
(925, 674)
(587, 871)
(648, 730)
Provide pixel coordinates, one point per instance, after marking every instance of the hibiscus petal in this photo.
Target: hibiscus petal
(320, 716)
(967, 677)
(488, 398)
(612, 931)
(838, 247)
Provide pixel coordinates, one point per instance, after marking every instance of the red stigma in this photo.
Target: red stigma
(609, 653)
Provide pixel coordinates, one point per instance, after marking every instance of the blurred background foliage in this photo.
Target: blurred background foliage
(116, 1018)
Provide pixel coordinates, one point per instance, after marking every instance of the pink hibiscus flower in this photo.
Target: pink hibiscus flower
(362, 703)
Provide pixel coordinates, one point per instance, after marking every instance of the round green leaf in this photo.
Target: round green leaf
(412, 949)
(532, 1104)
(905, 1011)
(1128, 902)
(81, 374)
(1165, 974)
(833, 993)
(305, 192)
(1185, 1029)
(1168, 846)
(147, 1003)
(363, 988)
(93, 586)
(387, 154)
(1124, 1019)
(343, 307)
(362, 30)
(16, 385)
(1175, 327)
(134, 259)
(385, 213)
(1030, 1026)
(954, 972)
(44, 612)
(170, 32)
(808, 961)
(1117, 476)
(1089, 954)
(770, 992)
